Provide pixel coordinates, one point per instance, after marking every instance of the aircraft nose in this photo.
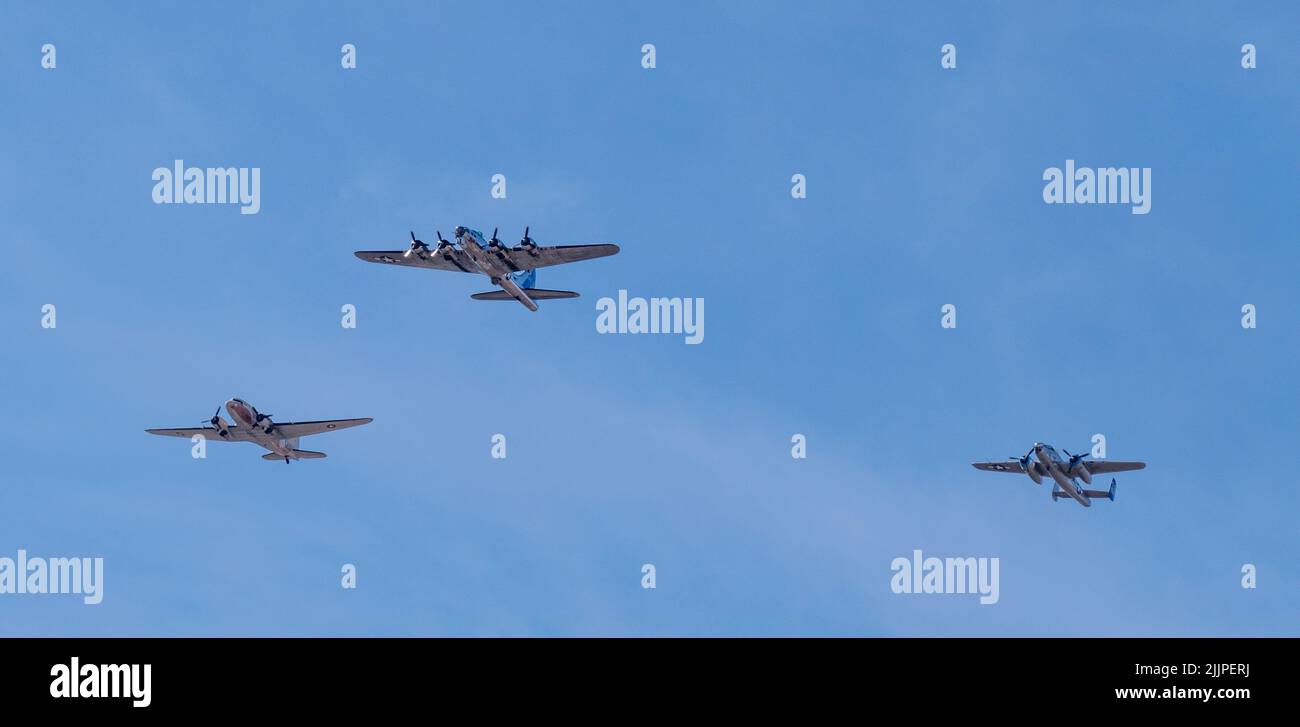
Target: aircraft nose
(233, 406)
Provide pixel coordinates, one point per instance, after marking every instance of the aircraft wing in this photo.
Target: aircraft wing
(541, 257)
(452, 259)
(233, 434)
(1011, 465)
(1105, 466)
(290, 430)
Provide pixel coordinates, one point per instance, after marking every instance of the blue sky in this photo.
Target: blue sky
(822, 317)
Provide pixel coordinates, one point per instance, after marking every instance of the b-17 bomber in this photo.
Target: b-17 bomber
(513, 269)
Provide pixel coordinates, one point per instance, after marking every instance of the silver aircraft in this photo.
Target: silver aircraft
(1044, 461)
(513, 269)
(250, 425)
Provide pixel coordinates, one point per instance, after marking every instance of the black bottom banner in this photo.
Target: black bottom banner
(935, 676)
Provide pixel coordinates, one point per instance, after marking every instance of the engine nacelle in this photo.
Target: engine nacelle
(1081, 471)
(220, 425)
(1031, 469)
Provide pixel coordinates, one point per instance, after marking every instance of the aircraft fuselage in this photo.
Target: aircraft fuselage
(1058, 469)
(495, 266)
(246, 416)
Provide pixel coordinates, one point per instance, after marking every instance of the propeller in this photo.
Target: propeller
(1075, 458)
(215, 421)
(527, 241)
(494, 242)
(442, 244)
(1024, 461)
(416, 245)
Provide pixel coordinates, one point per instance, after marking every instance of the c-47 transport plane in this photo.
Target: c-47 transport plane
(1063, 472)
(513, 269)
(250, 425)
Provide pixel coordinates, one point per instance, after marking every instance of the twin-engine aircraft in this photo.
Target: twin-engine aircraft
(250, 425)
(1063, 472)
(513, 269)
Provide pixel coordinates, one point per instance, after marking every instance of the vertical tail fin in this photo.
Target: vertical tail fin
(1099, 494)
(525, 279)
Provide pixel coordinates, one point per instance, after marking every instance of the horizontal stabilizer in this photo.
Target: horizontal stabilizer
(534, 293)
(297, 454)
(1098, 494)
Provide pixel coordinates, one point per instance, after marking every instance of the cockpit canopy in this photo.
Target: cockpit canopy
(478, 236)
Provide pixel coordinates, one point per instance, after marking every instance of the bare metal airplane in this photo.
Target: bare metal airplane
(513, 269)
(1063, 472)
(250, 425)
